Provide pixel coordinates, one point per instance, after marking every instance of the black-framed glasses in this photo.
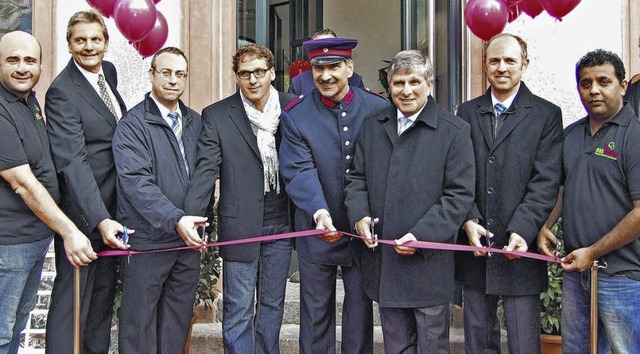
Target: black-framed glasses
(258, 73)
(167, 73)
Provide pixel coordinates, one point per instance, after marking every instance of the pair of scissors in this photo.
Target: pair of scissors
(374, 236)
(557, 251)
(488, 242)
(125, 239)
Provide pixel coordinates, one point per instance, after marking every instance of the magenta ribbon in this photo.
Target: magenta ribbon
(414, 244)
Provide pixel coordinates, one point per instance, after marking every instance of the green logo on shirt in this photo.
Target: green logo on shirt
(607, 151)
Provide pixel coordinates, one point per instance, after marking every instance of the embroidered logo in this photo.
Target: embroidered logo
(38, 115)
(607, 151)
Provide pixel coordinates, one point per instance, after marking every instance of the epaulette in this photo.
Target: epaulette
(294, 102)
(366, 89)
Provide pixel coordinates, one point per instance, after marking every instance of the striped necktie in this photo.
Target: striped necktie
(500, 108)
(176, 126)
(403, 124)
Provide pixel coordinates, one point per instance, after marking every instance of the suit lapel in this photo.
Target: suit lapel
(89, 94)
(391, 124)
(520, 110)
(239, 118)
(483, 116)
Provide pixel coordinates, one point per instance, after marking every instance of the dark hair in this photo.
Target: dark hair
(600, 57)
(250, 52)
(87, 17)
(521, 42)
(411, 60)
(324, 31)
(170, 50)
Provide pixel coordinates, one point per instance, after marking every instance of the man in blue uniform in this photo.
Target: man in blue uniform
(316, 155)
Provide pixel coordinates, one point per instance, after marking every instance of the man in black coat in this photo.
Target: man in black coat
(413, 177)
(239, 143)
(83, 107)
(517, 138)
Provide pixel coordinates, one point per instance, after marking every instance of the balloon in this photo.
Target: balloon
(104, 6)
(156, 38)
(486, 18)
(134, 18)
(559, 8)
(156, 1)
(297, 67)
(532, 8)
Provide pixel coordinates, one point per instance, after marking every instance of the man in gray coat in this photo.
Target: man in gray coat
(411, 199)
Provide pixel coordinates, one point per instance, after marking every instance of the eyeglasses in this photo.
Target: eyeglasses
(258, 73)
(167, 73)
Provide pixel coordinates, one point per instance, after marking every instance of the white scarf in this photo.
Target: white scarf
(265, 125)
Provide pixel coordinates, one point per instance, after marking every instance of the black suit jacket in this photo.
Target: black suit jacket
(228, 148)
(633, 97)
(517, 181)
(80, 128)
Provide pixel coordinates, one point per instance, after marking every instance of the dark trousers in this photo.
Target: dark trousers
(422, 330)
(482, 328)
(158, 290)
(97, 293)
(318, 310)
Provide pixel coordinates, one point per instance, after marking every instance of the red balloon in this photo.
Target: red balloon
(486, 18)
(156, 1)
(532, 8)
(297, 67)
(134, 18)
(104, 6)
(156, 38)
(559, 8)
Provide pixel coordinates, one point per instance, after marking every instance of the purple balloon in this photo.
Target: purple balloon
(486, 18)
(104, 6)
(532, 8)
(134, 18)
(156, 38)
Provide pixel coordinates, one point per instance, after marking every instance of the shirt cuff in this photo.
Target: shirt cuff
(317, 213)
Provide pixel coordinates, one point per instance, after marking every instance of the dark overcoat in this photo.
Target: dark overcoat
(228, 148)
(517, 181)
(421, 182)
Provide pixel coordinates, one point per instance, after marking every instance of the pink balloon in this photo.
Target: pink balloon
(104, 6)
(156, 38)
(156, 1)
(134, 18)
(486, 18)
(532, 8)
(559, 8)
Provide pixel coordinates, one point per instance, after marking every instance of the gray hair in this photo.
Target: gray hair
(411, 60)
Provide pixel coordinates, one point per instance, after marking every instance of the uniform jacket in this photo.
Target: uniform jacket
(228, 148)
(80, 128)
(517, 180)
(421, 182)
(152, 178)
(315, 156)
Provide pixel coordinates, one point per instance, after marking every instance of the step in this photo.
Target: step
(207, 338)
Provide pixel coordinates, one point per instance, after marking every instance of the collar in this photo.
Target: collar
(91, 77)
(507, 103)
(11, 97)
(332, 104)
(622, 118)
(412, 117)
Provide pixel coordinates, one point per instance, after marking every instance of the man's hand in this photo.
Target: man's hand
(545, 239)
(188, 229)
(578, 260)
(78, 249)
(109, 230)
(474, 232)
(324, 222)
(516, 243)
(363, 228)
(403, 250)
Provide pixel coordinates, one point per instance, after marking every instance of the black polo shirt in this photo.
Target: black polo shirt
(601, 181)
(23, 140)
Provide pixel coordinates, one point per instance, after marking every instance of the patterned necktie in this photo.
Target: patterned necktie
(404, 124)
(177, 130)
(104, 94)
(500, 108)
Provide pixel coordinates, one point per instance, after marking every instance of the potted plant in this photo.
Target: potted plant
(551, 300)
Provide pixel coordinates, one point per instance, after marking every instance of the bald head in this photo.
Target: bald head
(20, 62)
